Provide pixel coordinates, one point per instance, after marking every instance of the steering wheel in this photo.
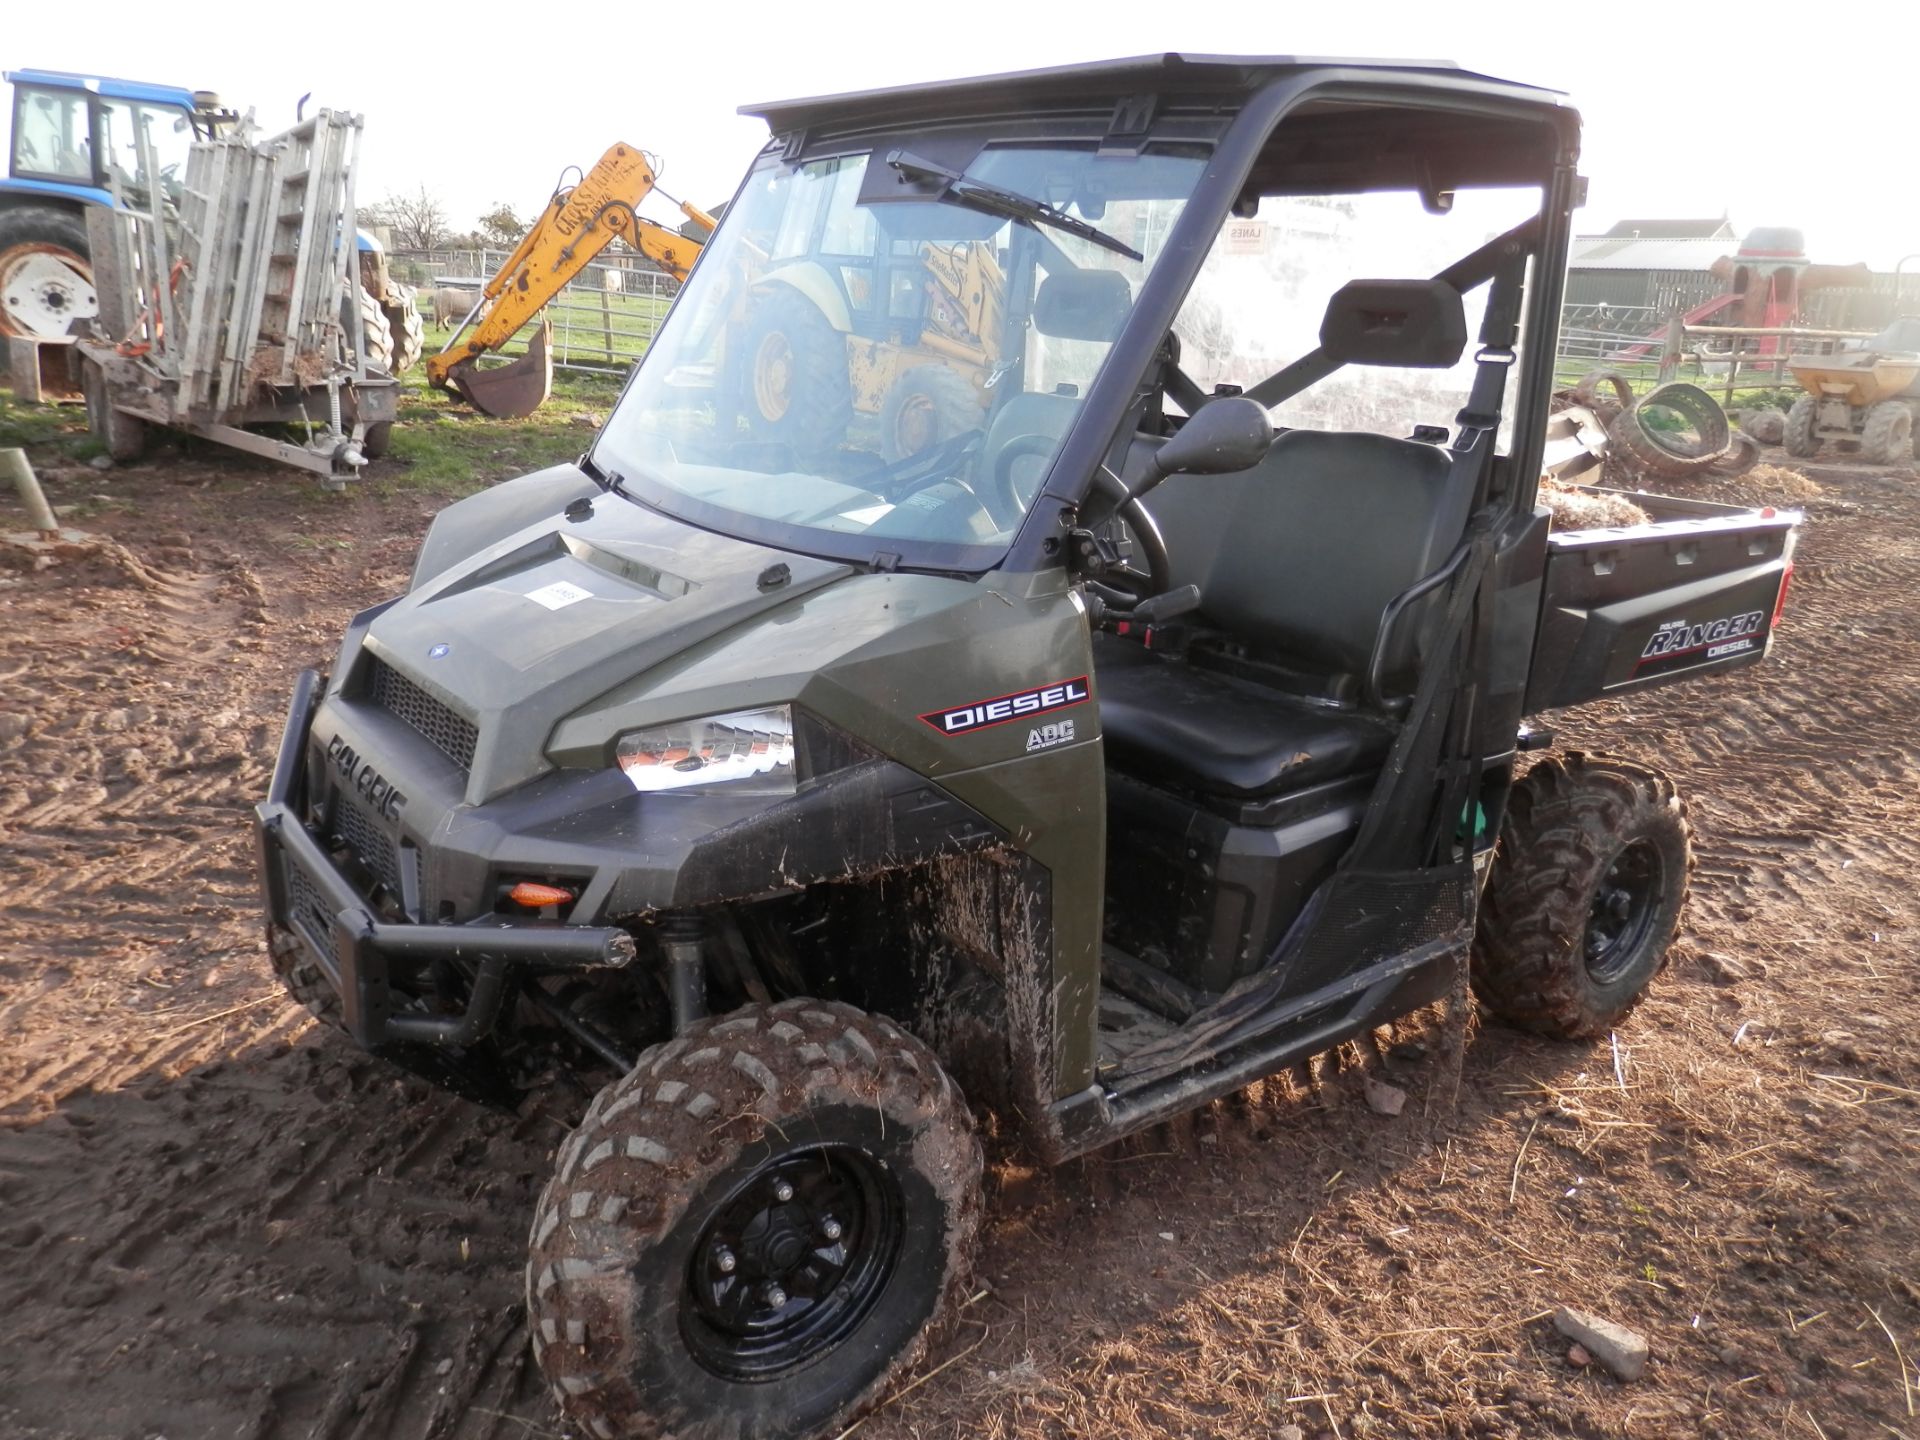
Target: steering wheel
(1157, 578)
(1127, 579)
(1002, 499)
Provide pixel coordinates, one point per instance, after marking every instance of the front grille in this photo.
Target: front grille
(448, 731)
(371, 845)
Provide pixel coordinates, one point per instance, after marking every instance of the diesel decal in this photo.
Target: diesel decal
(369, 782)
(1730, 636)
(1021, 705)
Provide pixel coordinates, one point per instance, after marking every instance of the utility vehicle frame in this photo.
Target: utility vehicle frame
(1103, 757)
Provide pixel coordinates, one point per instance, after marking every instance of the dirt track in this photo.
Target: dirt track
(216, 1221)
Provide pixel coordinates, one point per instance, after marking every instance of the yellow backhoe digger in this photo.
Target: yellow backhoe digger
(834, 319)
(579, 222)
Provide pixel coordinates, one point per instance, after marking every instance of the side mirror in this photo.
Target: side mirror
(1223, 436)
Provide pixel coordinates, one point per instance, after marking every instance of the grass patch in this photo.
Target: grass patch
(61, 429)
(442, 446)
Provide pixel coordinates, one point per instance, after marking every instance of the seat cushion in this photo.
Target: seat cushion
(1164, 720)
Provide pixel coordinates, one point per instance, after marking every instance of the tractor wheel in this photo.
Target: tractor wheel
(301, 976)
(1799, 437)
(1887, 438)
(379, 333)
(378, 440)
(795, 383)
(122, 436)
(406, 331)
(1585, 895)
(754, 1232)
(927, 405)
(46, 282)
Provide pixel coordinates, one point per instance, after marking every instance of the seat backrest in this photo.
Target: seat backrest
(1300, 555)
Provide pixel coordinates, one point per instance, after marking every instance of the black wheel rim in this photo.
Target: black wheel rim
(791, 1262)
(1623, 911)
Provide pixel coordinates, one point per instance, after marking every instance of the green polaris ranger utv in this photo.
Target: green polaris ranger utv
(1154, 723)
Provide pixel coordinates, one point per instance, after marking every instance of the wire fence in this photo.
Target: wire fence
(603, 320)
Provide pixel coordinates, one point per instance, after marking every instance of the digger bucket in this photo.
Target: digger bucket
(512, 391)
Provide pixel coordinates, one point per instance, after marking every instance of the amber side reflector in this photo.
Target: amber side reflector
(538, 897)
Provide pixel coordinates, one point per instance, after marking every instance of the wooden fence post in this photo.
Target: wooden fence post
(1676, 345)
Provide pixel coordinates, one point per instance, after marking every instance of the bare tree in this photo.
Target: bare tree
(417, 221)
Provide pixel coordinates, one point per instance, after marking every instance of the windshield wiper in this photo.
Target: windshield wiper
(963, 189)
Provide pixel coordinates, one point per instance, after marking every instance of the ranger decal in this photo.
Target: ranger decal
(1676, 640)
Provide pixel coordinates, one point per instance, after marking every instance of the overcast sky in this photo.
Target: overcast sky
(1758, 110)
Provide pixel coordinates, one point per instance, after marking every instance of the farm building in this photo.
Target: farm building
(1659, 268)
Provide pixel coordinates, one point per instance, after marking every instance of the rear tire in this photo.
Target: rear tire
(1799, 438)
(754, 1232)
(46, 280)
(793, 375)
(1585, 895)
(1887, 438)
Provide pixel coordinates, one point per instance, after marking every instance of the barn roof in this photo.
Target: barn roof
(1672, 230)
(1605, 252)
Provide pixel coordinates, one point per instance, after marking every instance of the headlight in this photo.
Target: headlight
(752, 745)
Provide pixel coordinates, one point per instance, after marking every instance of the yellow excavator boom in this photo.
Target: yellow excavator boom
(575, 227)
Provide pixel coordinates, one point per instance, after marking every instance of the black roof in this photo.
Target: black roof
(1228, 74)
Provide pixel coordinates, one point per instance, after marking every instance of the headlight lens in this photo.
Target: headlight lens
(748, 745)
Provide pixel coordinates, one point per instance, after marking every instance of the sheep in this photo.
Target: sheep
(451, 304)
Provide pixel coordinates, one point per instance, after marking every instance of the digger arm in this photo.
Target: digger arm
(576, 226)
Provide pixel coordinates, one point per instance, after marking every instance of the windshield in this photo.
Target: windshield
(876, 356)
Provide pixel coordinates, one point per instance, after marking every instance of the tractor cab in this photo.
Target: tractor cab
(74, 141)
(79, 136)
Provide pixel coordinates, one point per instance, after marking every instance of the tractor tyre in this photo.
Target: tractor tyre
(795, 386)
(1887, 437)
(926, 406)
(406, 332)
(300, 975)
(378, 440)
(379, 334)
(1799, 437)
(122, 436)
(756, 1231)
(46, 282)
(1768, 425)
(1586, 892)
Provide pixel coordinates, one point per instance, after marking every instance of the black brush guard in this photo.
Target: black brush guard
(307, 896)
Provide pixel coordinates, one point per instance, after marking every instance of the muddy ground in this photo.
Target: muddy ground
(217, 1221)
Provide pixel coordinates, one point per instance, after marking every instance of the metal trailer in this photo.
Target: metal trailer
(241, 308)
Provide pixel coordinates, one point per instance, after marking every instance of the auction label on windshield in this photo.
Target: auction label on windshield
(559, 595)
(1021, 705)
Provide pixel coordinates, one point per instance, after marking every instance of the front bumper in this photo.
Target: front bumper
(361, 956)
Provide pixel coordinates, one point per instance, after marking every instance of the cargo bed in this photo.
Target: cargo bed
(1694, 591)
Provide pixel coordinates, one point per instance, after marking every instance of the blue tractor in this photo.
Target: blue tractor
(74, 138)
